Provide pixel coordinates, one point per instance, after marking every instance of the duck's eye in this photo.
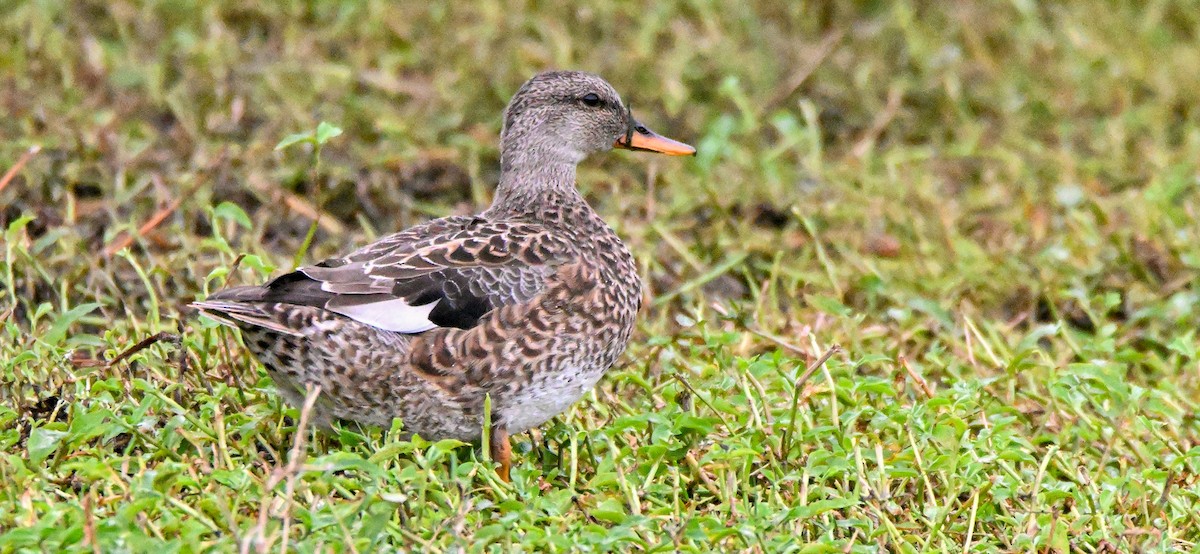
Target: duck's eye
(592, 99)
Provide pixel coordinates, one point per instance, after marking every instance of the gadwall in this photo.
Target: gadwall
(528, 303)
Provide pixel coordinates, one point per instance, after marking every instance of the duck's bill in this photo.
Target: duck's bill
(646, 140)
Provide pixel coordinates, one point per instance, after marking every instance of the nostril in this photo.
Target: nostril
(642, 130)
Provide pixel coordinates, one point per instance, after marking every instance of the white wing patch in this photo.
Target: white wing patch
(390, 315)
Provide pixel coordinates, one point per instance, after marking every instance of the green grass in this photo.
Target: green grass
(992, 210)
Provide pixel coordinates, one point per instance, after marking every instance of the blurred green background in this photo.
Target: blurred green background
(991, 208)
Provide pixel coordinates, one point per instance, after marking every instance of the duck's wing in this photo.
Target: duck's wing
(445, 275)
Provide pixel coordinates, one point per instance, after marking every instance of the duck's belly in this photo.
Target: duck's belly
(549, 396)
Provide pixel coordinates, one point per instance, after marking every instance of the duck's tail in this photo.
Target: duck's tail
(241, 306)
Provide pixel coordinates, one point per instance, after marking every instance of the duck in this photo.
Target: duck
(492, 322)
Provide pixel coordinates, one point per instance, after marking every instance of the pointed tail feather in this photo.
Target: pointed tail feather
(240, 294)
(230, 310)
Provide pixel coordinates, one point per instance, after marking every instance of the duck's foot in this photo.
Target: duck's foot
(501, 452)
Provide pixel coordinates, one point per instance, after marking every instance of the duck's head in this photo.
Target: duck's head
(562, 116)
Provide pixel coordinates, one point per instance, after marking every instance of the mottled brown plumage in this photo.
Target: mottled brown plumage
(529, 302)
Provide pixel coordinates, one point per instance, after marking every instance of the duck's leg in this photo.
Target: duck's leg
(501, 451)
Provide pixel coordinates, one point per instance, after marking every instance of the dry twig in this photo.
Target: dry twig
(785, 444)
(24, 159)
(920, 381)
(285, 473)
(123, 240)
(882, 120)
(797, 79)
(144, 344)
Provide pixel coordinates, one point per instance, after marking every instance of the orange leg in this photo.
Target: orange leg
(501, 451)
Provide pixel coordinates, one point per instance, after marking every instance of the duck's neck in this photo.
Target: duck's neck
(530, 180)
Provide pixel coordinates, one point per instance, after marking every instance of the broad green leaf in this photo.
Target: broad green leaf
(326, 131)
(232, 212)
(16, 227)
(821, 506)
(827, 305)
(42, 443)
(58, 330)
(610, 510)
(819, 548)
(259, 265)
(293, 139)
(88, 425)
